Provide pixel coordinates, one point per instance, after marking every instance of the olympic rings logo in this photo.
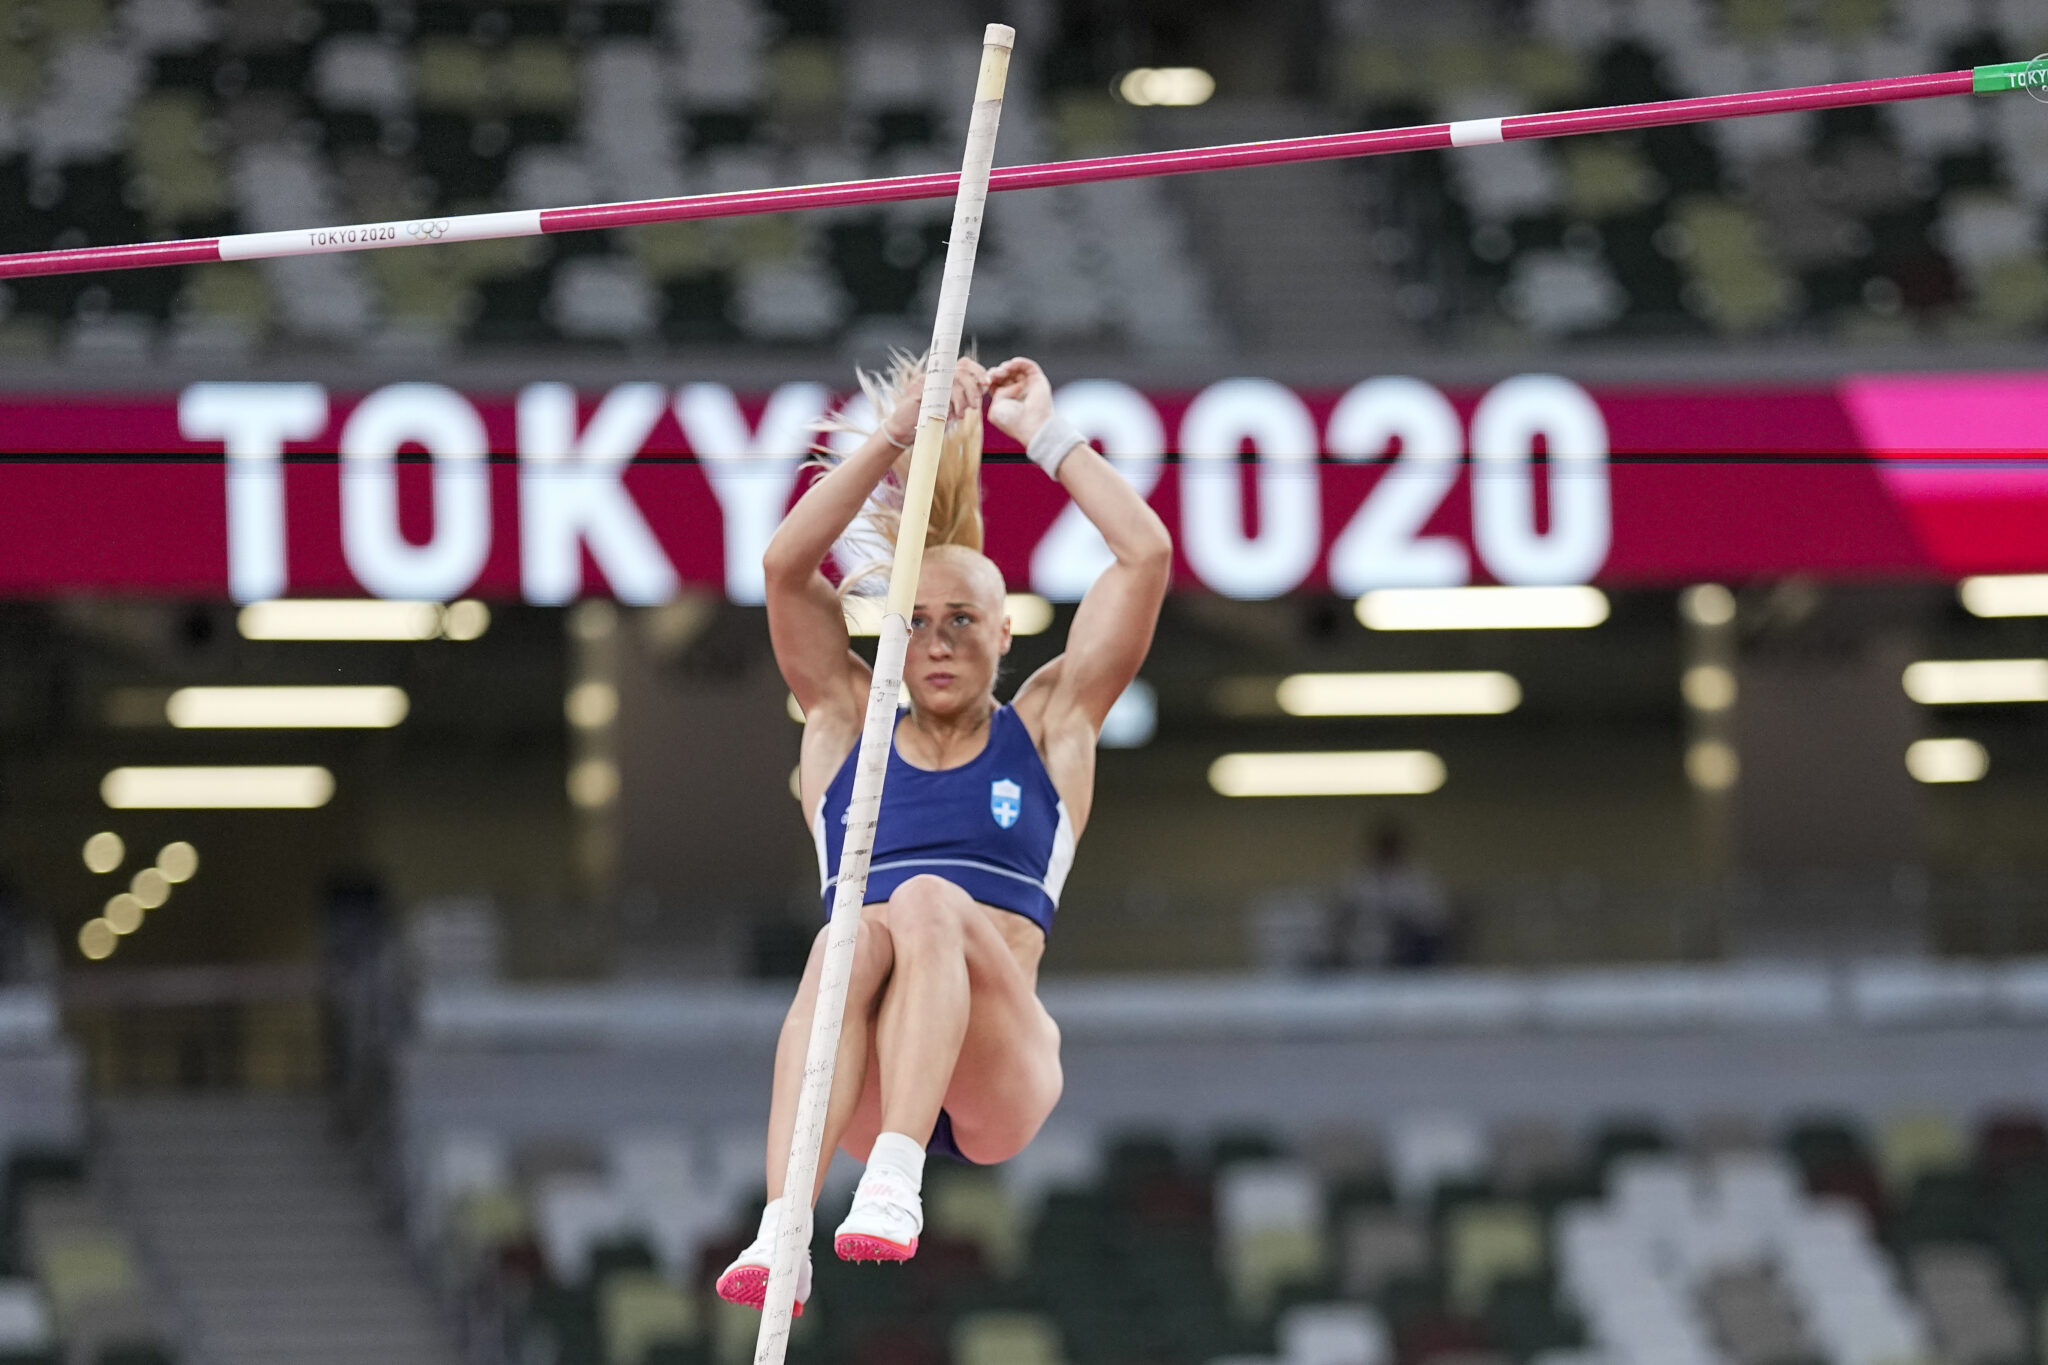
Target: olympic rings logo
(429, 230)
(2035, 78)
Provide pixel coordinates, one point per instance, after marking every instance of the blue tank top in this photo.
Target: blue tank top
(994, 826)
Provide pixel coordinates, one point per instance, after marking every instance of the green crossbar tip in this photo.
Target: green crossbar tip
(1997, 80)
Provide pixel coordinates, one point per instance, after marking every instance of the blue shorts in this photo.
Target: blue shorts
(942, 1140)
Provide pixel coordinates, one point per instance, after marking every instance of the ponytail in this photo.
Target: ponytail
(866, 550)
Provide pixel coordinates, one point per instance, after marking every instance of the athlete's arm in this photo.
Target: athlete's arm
(1113, 626)
(805, 621)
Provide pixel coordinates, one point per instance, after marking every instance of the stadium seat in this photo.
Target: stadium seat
(638, 1311)
(803, 77)
(167, 147)
(24, 1318)
(1257, 1265)
(1578, 24)
(1523, 1316)
(364, 73)
(463, 1162)
(1911, 1145)
(722, 61)
(1556, 293)
(84, 1272)
(603, 298)
(135, 1353)
(536, 75)
(572, 1214)
(1713, 1136)
(21, 71)
(1855, 1309)
(788, 301)
(1376, 73)
(1607, 177)
(222, 309)
(481, 1222)
(155, 26)
(1544, 75)
(1485, 1243)
(1736, 285)
(1006, 1339)
(1971, 1314)
(1379, 1246)
(1269, 1228)
(975, 1207)
(450, 74)
(1061, 1157)
(1512, 181)
(1339, 1152)
(1754, 1315)
(1529, 1153)
(1333, 1334)
(1425, 1150)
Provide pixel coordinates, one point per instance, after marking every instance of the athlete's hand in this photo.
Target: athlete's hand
(1020, 399)
(970, 383)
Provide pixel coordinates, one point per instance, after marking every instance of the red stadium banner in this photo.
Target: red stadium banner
(645, 488)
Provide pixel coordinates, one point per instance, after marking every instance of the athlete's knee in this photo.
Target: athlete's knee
(925, 913)
(997, 1137)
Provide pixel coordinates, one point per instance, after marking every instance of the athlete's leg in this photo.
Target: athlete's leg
(925, 1004)
(1007, 1077)
(853, 1101)
(918, 1030)
(872, 963)
(960, 1025)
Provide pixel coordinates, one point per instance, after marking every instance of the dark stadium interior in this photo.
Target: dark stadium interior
(1658, 976)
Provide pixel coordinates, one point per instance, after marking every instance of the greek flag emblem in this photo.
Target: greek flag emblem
(1005, 801)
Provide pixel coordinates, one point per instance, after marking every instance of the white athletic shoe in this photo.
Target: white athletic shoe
(883, 1224)
(745, 1281)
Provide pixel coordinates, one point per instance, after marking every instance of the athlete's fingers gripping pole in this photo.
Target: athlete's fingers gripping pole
(793, 1234)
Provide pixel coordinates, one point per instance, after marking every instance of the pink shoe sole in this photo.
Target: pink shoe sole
(747, 1285)
(854, 1246)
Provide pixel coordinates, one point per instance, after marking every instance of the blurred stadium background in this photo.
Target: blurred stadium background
(1670, 987)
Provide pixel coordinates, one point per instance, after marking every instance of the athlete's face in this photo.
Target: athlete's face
(958, 632)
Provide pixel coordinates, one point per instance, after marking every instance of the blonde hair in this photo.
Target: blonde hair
(866, 550)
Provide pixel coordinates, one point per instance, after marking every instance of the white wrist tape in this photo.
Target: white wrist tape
(1051, 443)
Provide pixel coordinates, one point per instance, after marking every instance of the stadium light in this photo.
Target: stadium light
(1180, 86)
(150, 887)
(1398, 694)
(1482, 608)
(361, 618)
(178, 861)
(1708, 687)
(1029, 613)
(97, 940)
(2005, 595)
(465, 620)
(1707, 604)
(1961, 682)
(591, 705)
(594, 783)
(287, 708)
(1712, 765)
(1947, 760)
(255, 787)
(104, 851)
(1384, 772)
(123, 914)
